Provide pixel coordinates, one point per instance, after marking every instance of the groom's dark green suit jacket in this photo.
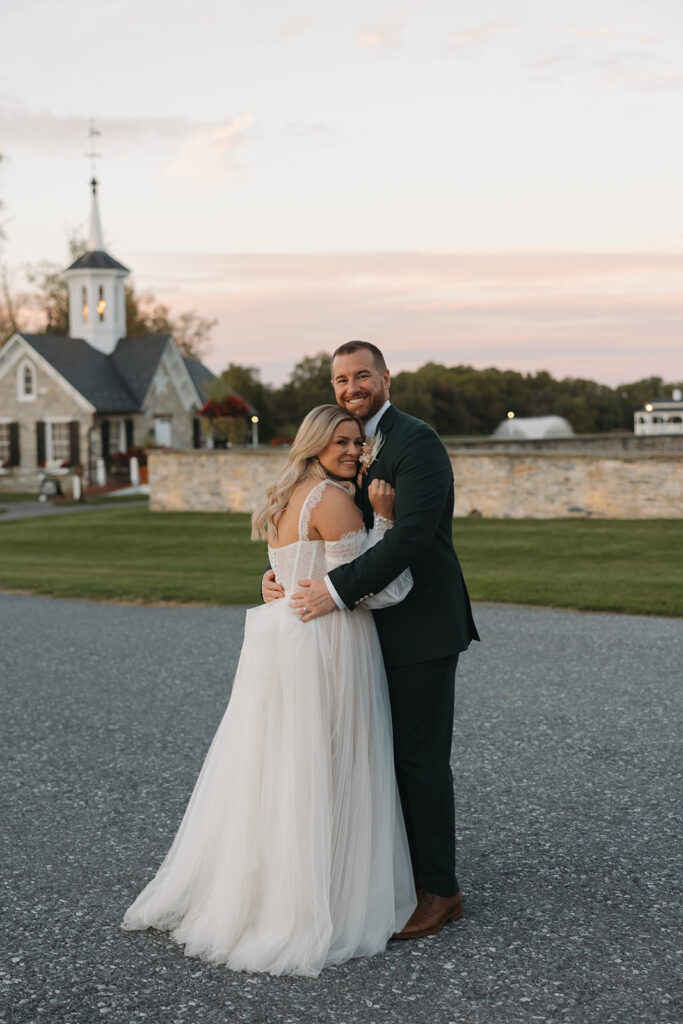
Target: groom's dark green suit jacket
(435, 620)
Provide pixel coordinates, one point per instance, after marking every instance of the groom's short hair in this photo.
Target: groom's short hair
(349, 347)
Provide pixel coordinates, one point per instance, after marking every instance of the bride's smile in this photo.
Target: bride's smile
(340, 458)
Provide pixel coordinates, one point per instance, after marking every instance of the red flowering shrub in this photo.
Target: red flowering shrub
(231, 405)
(119, 460)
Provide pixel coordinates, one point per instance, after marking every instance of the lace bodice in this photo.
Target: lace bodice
(308, 559)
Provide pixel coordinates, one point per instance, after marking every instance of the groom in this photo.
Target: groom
(422, 636)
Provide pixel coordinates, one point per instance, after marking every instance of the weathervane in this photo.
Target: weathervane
(93, 155)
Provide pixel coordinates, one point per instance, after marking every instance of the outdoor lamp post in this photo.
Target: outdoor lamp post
(254, 431)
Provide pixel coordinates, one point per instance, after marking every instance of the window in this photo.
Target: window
(58, 442)
(5, 446)
(86, 308)
(101, 305)
(26, 382)
(117, 436)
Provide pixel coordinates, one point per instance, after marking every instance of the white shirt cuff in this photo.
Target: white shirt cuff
(333, 593)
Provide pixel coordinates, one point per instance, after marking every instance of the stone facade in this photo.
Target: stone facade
(170, 396)
(540, 485)
(50, 404)
(34, 396)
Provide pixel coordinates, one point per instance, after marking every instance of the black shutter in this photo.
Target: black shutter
(40, 442)
(75, 443)
(105, 440)
(14, 457)
(196, 433)
(129, 434)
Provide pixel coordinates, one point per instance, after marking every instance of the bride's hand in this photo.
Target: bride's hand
(382, 498)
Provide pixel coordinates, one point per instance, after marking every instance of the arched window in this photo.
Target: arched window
(26, 382)
(84, 304)
(101, 305)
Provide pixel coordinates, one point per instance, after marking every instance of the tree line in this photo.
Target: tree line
(455, 400)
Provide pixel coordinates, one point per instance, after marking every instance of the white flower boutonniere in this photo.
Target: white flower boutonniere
(370, 451)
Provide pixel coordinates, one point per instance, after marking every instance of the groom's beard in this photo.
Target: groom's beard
(375, 406)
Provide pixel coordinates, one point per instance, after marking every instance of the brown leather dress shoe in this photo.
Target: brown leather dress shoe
(431, 914)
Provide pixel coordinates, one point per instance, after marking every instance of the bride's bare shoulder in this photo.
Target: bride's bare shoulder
(336, 514)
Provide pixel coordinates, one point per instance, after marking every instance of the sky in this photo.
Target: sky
(495, 183)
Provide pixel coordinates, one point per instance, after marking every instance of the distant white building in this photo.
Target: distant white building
(660, 416)
(533, 428)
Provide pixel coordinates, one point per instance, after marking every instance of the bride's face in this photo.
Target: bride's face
(340, 458)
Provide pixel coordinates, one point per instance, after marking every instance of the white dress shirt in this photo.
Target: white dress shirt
(370, 426)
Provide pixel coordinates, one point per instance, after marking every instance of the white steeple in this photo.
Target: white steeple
(97, 294)
(95, 243)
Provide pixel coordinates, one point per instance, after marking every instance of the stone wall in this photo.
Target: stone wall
(210, 480)
(549, 486)
(542, 485)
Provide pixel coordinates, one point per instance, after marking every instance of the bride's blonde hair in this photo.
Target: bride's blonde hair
(312, 437)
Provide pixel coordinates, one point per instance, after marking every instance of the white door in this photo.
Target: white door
(162, 431)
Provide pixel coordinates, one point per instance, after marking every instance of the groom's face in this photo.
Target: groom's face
(358, 385)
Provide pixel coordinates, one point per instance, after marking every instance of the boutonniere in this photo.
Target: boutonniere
(369, 453)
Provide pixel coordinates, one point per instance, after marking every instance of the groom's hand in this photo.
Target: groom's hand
(312, 600)
(270, 590)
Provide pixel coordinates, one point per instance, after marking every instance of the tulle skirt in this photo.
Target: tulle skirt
(292, 853)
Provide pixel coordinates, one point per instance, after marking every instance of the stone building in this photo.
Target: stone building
(660, 416)
(67, 402)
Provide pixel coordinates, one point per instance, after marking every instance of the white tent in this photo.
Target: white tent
(533, 428)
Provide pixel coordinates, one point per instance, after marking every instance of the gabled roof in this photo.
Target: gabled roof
(201, 377)
(90, 372)
(97, 259)
(136, 360)
(118, 382)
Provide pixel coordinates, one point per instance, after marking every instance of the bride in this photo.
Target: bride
(292, 852)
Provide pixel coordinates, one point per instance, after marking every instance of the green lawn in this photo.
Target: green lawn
(8, 497)
(132, 554)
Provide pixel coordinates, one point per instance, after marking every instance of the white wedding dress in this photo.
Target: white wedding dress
(292, 853)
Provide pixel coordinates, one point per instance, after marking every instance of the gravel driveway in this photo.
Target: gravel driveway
(566, 771)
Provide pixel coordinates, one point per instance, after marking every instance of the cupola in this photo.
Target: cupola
(97, 294)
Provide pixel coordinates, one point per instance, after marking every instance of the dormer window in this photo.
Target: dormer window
(101, 305)
(26, 382)
(85, 307)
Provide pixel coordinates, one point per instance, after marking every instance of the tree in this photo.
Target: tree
(245, 381)
(309, 385)
(145, 316)
(8, 315)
